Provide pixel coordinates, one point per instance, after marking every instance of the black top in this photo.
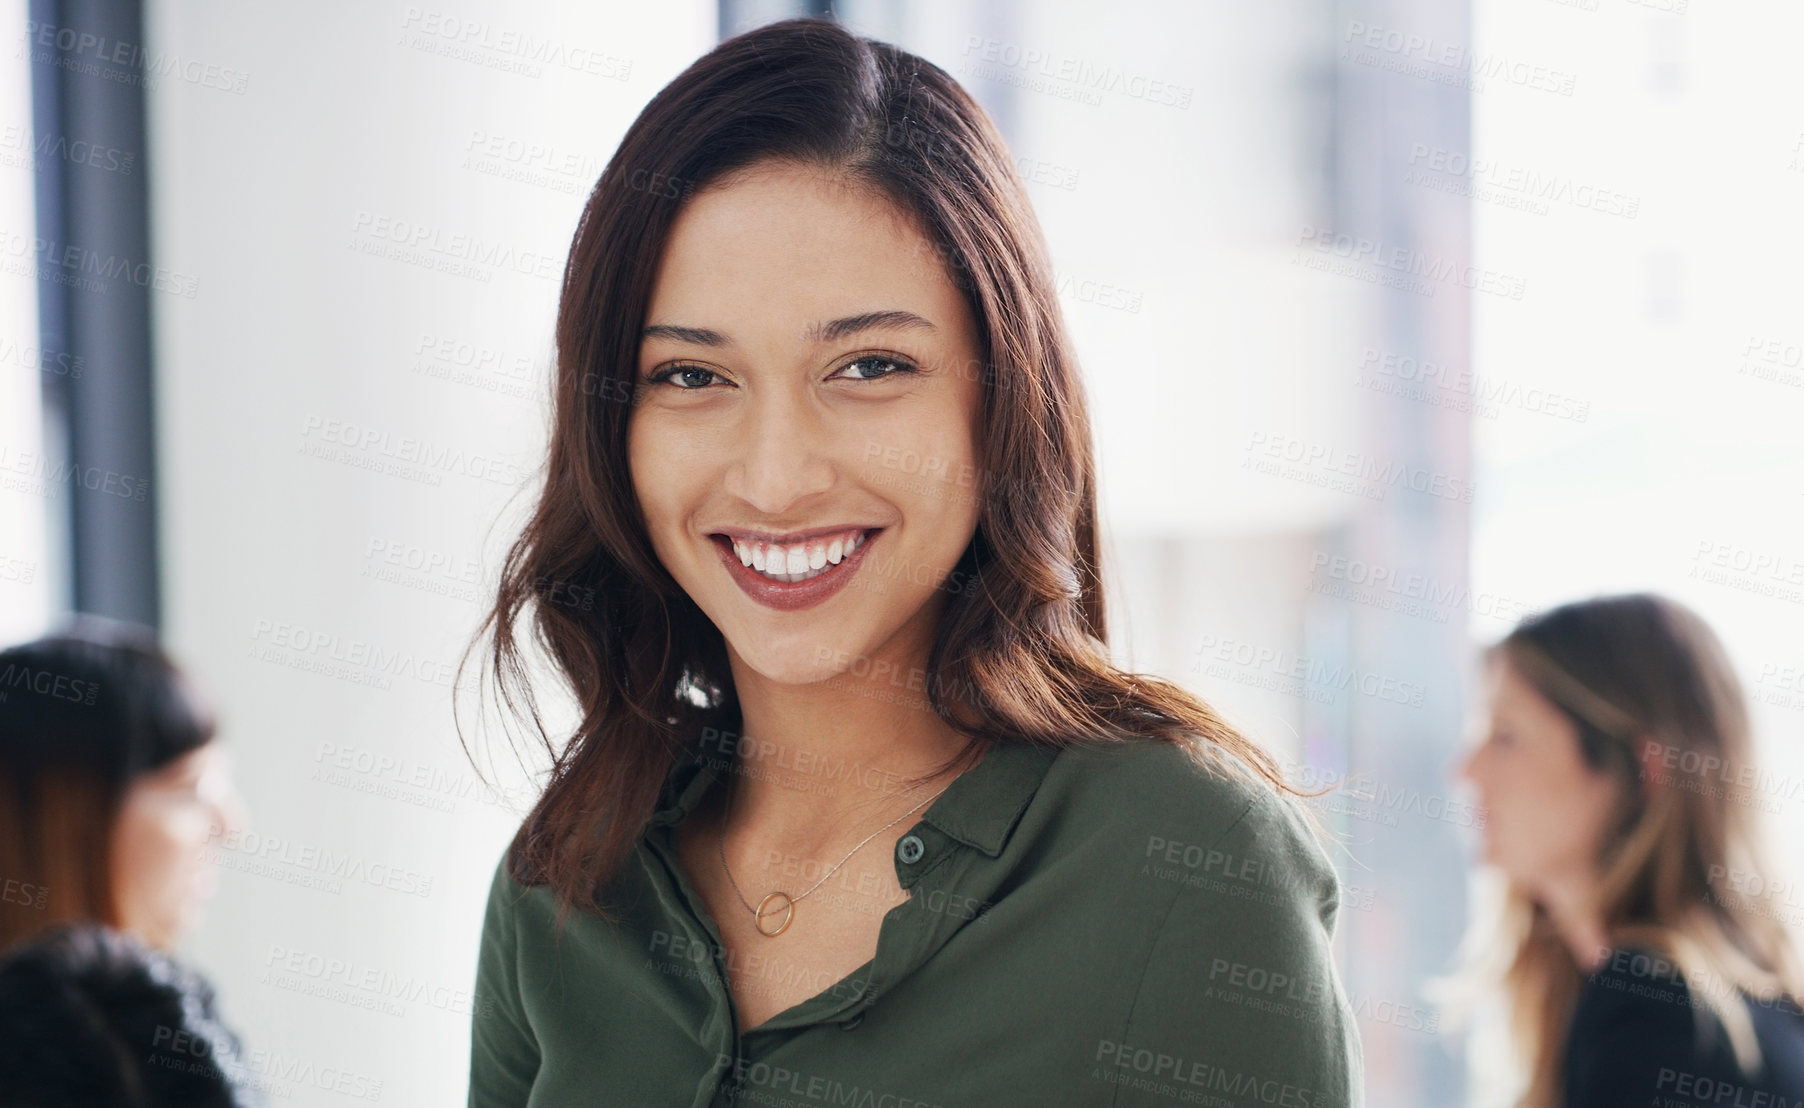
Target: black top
(93, 1017)
(1638, 1039)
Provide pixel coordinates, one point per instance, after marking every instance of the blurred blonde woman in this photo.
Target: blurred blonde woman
(1640, 952)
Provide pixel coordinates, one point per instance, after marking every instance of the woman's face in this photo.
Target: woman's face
(817, 390)
(1546, 810)
(160, 876)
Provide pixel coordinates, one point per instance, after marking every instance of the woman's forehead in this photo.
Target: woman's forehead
(782, 256)
(784, 217)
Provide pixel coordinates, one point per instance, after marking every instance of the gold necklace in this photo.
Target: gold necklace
(788, 907)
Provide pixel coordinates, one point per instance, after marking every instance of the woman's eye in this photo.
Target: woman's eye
(893, 366)
(682, 372)
(692, 378)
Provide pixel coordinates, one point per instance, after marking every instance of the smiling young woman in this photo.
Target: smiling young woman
(852, 755)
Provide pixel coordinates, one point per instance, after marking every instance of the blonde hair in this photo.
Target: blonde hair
(1658, 706)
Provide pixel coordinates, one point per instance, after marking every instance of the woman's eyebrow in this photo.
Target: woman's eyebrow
(893, 318)
(831, 331)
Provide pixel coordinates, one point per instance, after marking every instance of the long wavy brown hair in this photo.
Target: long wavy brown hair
(1657, 705)
(1021, 652)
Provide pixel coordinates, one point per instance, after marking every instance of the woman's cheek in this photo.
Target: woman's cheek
(196, 827)
(1500, 817)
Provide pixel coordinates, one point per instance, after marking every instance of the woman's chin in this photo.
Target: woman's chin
(801, 659)
(803, 672)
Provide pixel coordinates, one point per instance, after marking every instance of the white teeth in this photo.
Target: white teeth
(799, 561)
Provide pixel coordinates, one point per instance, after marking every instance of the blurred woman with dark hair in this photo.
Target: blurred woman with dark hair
(857, 805)
(111, 784)
(1638, 958)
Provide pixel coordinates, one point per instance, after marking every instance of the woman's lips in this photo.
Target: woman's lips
(791, 596)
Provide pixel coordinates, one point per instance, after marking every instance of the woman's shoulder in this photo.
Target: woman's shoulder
(1188, 778)
(78, 1002)
(1637, 1017)
(510, 898)
(1214, 814)
(1635, 990)
(1236, 900)
(1644, 987)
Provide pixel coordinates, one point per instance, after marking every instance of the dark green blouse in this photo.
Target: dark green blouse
(1101, 925)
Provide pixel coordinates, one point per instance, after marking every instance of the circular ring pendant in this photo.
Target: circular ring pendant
(789, 909)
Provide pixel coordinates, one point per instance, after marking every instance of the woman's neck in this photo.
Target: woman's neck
(812, 763)
(1575, 918)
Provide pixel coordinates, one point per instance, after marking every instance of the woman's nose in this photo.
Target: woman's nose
(782, 453)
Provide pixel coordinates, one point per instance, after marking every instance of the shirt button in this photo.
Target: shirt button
(910, 849)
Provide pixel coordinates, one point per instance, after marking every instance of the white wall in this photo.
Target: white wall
(1667, 314)
(309, 357)
(30, 499)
